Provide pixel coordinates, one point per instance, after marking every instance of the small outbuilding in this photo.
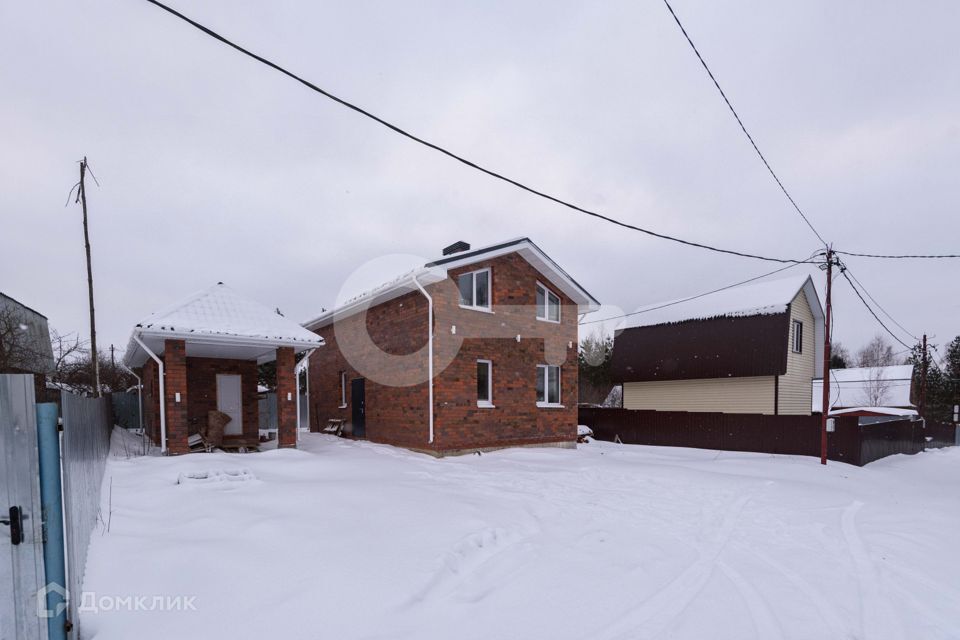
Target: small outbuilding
(750, 349)
(868, 388)
(25, 342)
(202, 354)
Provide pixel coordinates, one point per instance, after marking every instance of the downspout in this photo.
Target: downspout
(429, 347)
(163, 396)
(139, 392)
(297, 370)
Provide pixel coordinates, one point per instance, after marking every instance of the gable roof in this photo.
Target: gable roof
(33, 351)
(756, 299)
(219, 322)
(436, 271)
(738, 332)
(852, 387)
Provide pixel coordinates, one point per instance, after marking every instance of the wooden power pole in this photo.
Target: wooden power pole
(826, 360)
(923, 379)
(94, 356)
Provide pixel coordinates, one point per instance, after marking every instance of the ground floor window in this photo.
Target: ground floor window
(343, 389)
(484, 383)
(548, 385)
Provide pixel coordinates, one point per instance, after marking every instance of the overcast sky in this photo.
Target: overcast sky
(215, 168)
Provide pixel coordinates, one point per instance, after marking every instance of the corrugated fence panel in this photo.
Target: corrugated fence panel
(126, 410)
(792, 435)
(87, 423)
(21, 565)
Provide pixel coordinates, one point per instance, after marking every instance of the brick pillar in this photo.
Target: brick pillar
(286, 408)
(175, 381)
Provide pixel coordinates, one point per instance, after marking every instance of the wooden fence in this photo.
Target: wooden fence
(794, 435)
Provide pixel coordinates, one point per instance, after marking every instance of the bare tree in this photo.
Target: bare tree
(876, 388)
(74, 370)
(877, 353)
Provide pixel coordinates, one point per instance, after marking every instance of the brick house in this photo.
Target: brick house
(202, 353)
(498, 368)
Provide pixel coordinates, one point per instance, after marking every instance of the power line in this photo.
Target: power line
(900, 257)
(874, 300)
(742, 126)
(872, 312)
(699, 295)
(454, 156)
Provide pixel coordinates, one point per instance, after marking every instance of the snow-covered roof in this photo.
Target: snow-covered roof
(760, 298)
(219, 322)
(880, 411)
(436, 271)
(861, 386)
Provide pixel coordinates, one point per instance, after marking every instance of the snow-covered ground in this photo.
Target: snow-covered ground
(346, 540)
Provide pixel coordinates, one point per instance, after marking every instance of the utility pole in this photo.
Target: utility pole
(82, 198)
(826, 359)
(923, 379)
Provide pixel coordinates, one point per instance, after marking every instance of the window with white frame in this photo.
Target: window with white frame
(797, 336)
(548, 385)
(475, 289)
(343, 389)
(484, 383)
(548, 304)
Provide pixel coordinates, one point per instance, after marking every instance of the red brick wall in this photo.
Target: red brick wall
(202, 381)
(399, 415)
(175, 381)
(395, 415)
(286, 409)
(516, 419)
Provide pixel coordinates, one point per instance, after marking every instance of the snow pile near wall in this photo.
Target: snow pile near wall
(761, 298)
(350, 540)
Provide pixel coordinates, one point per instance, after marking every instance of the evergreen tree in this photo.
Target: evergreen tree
(594, 368)
(839, 356)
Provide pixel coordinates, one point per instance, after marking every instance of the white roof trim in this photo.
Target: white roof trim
(219, 322)
(437, 271)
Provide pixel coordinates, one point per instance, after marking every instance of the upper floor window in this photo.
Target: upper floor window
(548, 304)
(797, 336)
(475, 289)
(548, 385)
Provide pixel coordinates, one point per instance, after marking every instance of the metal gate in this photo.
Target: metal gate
(21, 536)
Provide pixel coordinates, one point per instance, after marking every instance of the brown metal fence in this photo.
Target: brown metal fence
(941, 434)
(795, 435)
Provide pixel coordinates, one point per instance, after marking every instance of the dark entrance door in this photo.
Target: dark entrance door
(358, 401)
